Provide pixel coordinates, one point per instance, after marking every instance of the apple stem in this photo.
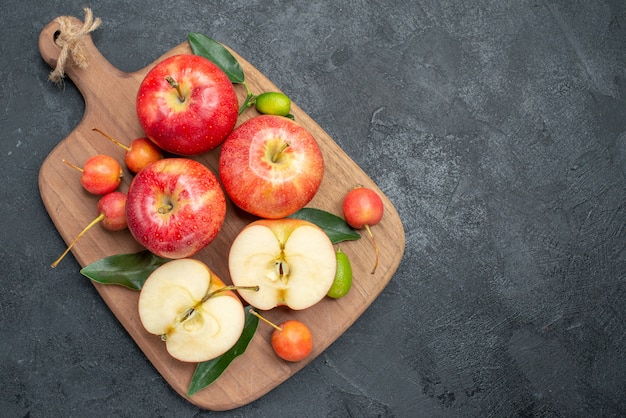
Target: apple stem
(111, 139)
(175, 85)
(74, 166)
(276, 155)
(165, 208)
(253, 312)
(369, 231)
(92, 223)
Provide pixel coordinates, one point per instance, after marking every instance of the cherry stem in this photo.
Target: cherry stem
(253, 312)
(276, 155)
(369, 231)
(111, 139)
(92, 223)
(175, 85)
(74, 166)
(227, 288)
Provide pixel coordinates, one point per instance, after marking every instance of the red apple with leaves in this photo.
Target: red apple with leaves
(187, 105)
(175, 207)
(271, 166)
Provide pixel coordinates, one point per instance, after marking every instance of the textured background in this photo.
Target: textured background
(497, 129)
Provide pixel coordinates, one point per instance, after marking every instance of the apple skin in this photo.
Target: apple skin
(265, 188)
(179, 303)
(196, 124)
(292, 261)
(175, 207)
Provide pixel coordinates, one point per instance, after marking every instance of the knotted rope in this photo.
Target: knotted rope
(70, 39)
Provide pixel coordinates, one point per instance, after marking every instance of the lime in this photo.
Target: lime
(343, 277)
(273, 103)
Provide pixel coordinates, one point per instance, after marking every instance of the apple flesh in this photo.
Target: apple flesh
(270, 166)
(185, 303)
(292, 262)
(187, 105)
(175, 207)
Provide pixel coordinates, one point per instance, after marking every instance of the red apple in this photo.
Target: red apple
(271, 166)
(175, 207)
(187, 105)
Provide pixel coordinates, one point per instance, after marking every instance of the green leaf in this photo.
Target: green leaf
(215, 52)
(335, 227)
(129, 270)
(208, 371)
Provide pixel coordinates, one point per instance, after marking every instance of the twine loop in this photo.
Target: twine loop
(70, 39)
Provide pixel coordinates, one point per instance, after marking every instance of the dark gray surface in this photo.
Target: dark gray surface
(498, 130)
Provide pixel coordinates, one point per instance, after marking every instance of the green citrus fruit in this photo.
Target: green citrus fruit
(343, 277)
(273, 103)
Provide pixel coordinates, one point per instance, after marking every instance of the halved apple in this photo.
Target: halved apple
(192, 310)
(292, 261)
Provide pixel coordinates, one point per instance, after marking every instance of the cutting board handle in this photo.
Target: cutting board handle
(97, 66)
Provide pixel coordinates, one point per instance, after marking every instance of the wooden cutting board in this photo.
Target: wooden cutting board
(109, 96)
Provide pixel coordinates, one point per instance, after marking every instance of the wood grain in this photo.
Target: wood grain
(109, 96)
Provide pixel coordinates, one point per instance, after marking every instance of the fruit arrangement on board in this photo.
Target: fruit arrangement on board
(270, 167)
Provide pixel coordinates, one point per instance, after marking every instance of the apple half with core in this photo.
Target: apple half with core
(175, 207)
(271, 166)
(192, 310)
(291, 260)
(187, 105)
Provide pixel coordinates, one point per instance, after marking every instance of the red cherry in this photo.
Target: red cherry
(293, 340)
(363, 208)
(139, 153)
(112, 214)
(101, 174)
